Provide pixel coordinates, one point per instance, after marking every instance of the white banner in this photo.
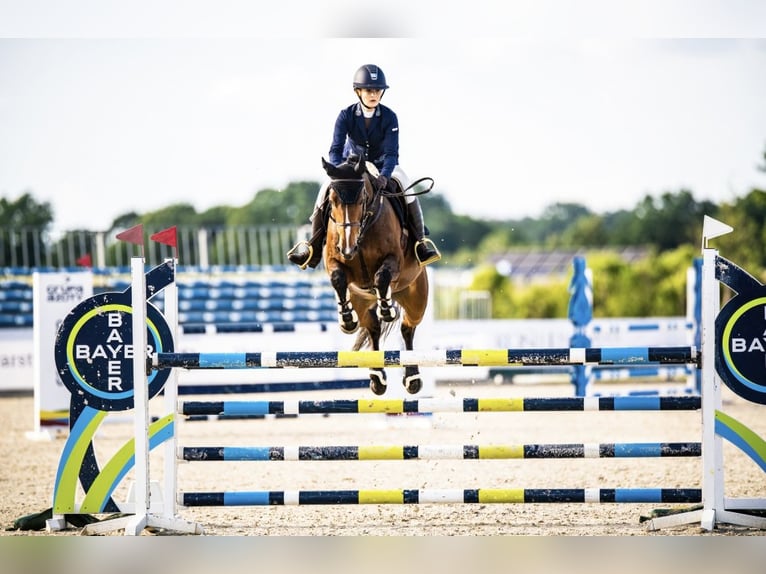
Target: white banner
(55, 295)
(16, 357)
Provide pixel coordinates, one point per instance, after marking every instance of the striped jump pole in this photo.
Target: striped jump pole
(441, 452)
(441, 405)
(716, 507)
(431, 358)
(444, 496)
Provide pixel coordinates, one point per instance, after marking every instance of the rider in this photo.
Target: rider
(370, 129)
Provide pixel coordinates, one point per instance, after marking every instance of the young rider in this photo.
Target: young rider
(371, 129)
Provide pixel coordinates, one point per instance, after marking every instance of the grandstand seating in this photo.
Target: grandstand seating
(229, 305)
(15, 304)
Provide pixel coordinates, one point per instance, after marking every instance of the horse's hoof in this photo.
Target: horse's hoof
(388, 313)
(349, 328)
(378, 382)
(349, 321)
(413, 384)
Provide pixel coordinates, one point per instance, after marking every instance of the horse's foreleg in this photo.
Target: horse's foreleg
(413, 302)
(378, 384)
(348, 320)
(412, 381)
(387, 311)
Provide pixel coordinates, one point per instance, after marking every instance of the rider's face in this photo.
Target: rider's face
(370, 97)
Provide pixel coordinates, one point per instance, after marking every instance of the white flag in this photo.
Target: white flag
(713, 228)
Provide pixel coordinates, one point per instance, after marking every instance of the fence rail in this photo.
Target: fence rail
(35, 248)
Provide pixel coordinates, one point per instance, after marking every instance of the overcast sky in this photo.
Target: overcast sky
(101, 116)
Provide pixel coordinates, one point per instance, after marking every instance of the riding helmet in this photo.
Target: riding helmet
(371, 77)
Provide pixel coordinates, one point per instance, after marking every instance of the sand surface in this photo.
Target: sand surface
(28, 468)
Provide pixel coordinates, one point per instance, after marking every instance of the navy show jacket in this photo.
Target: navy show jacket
(379, 142)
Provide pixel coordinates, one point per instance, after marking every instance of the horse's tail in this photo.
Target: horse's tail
(363, 338)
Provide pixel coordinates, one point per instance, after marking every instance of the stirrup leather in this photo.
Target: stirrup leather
(308, 256)
(435, 257)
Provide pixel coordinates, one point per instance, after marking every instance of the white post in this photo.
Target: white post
(202, 249)
(170, 480)
(140, 399)
(712, 459)
(712, 456)
(100, 250)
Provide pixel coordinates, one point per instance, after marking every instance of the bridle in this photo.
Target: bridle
(349, 191)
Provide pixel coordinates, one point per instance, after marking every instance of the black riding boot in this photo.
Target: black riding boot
(425, 250)
(308, 253)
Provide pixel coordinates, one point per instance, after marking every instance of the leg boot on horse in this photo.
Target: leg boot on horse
(425, 250)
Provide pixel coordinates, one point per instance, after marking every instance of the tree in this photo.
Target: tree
(747, 215)
(126, 220)
(25, 212)
(176, 214)
(586, 231)
(290, 206)
(22, 223)
(672, 220)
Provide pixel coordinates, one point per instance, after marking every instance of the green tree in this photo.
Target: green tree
(500, 288)
(292, 205)
(25, 211)
(549, 300)
(22, 223)
(586, 231)
(176, 214)
(747, 246)
(215, 216)
(671, 220)
(126, 221)
(654, 286)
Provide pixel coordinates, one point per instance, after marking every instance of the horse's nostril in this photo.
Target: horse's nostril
(348, 253)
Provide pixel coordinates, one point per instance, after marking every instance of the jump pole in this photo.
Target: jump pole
(717, 508)
(430, 358)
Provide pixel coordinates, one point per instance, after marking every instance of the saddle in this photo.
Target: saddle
(395, 196)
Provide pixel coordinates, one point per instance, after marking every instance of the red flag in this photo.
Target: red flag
(133, 235)
(85, 261)
(166, 236)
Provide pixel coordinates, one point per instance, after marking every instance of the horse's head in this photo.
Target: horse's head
(349, 197)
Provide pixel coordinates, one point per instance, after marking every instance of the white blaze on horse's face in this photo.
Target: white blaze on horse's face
(347, 222)
(346, 230)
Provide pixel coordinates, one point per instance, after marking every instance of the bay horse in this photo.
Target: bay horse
(370, 258)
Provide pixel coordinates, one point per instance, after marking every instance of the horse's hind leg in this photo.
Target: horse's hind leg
(347, 317)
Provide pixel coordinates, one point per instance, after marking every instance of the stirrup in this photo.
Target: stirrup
(292, 253)
(435, 257)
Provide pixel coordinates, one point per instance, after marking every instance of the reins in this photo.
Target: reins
(404, 193)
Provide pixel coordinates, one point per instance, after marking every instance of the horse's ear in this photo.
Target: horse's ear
(360, 166)
(328, 167)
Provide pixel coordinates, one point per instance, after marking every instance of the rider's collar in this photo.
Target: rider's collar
(360, 111)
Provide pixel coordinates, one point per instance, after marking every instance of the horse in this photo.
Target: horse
(370, 259)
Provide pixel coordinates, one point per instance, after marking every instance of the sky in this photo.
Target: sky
(104, 112)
